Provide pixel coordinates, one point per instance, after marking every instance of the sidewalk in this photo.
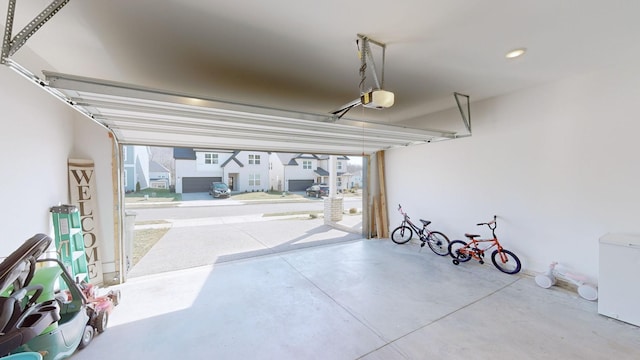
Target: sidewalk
(349, 223)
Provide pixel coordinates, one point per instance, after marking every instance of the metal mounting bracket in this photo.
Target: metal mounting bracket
(465, 111)
(366, 54)
(11, 45)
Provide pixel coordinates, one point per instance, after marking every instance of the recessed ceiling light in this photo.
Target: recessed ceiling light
(515, 53)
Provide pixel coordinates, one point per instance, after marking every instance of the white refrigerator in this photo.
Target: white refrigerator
(619, 277)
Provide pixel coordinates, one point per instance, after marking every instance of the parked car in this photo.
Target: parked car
(317, 191)
(219, 190)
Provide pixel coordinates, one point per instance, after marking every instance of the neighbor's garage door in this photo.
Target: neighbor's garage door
(197, 184)
(299, 185)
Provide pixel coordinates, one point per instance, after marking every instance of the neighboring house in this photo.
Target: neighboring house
(136, 167)
(278, 164)
(159, 176)
(356, 180)
(243, 171)
(296, 172)
(343, 177)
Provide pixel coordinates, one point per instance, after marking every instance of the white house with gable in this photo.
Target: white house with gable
(296, 172)
(243, 171)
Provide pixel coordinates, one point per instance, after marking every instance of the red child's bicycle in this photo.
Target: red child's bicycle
(503, 259)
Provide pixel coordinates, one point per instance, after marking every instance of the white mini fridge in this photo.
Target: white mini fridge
(619, 277)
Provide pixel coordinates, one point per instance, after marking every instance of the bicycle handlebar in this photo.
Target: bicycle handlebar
(492, 222)
(402, 212)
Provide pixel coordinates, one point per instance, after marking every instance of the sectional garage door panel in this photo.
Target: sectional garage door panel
(197, 184)
(299, 185)
(155, 117)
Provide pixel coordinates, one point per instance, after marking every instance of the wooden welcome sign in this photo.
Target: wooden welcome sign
(82, 191)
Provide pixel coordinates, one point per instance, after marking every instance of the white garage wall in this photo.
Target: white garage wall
(35, 141)
(92, 142)
(39, 134)
(559, 164)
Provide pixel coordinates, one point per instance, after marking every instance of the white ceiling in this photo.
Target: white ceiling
(302, 56)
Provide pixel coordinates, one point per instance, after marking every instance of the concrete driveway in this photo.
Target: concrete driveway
(205, 241)
(197, 196)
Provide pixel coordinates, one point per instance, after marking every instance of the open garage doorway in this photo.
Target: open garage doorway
(267, 210)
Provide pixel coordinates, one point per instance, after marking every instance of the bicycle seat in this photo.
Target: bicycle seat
(471, 236)
(425, 222)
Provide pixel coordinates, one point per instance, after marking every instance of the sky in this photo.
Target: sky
(355, 160)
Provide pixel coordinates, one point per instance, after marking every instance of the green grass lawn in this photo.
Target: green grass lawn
(158, 195)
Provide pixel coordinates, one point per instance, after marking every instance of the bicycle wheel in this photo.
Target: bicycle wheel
(508, 262)
(402, 234)
(438, 243)
(458, 251)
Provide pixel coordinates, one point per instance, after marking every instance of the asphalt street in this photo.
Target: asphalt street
(201, 205)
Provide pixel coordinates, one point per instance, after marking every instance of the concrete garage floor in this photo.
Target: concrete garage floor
(360, 299)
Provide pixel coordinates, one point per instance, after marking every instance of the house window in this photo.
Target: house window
(254, 179)
(210, 158)
(306, 164)
(339, 165)
(254, 159)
